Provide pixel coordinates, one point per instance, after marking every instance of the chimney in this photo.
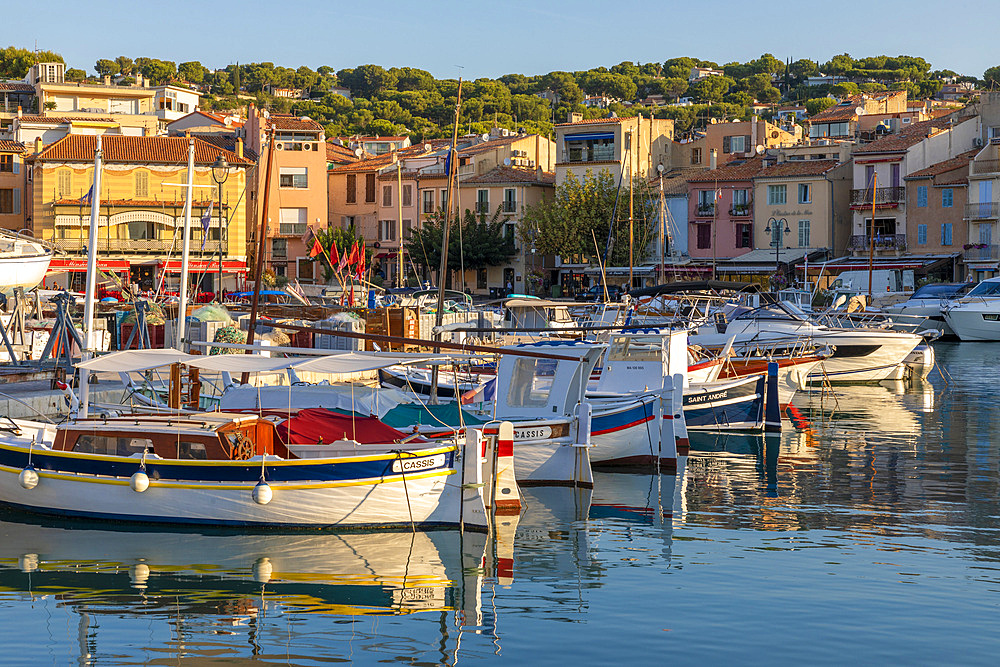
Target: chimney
(107, 79)
(713, 158)
(782, 156)
(18, 110)
(239, 147)
(38, 145)
(753, 133)
(574, 117)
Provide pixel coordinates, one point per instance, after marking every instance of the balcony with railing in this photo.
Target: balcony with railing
(292, 228)
(986, 166)
(978, 252)
(705, 210)
(986, 210)
(882, 242)
(741, 210)
(883, 197)
(605, 153)
(142, 246)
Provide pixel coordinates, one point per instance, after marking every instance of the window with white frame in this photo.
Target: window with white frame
(482, 201)
(444, 199)
(386, 195)
(293, 177)
(805, 193)
(292, 221)
(777, 195)
(509, 200)
(804, 234)
(407, 195)
(428, 206)
(386, 230)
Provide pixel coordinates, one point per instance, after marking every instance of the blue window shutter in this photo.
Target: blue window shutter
(921, 234)
(17, 200)
(17, 164)
(922, 196)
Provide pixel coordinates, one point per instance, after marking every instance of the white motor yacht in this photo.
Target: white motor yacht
(976, 316)
(860, 355)
(928, 302)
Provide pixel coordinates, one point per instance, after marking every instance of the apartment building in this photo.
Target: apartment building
(298, 200)
(142, 207)
(14, 209)
(618, 146)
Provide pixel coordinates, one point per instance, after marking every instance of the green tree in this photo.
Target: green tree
(105, 67)
(710, 89)
(818, 104)
(582, 211)
(474, 241)
(845, 89)
(841, 64)
(125, 65)
(77, 75)
(15, 62)
(192, 71)
(992, 77)
(803, 69)
(367, 80)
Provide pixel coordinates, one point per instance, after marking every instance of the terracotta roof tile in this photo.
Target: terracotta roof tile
(58, 120)
(911, 135)
(957, 162)
(117, 148)
(735, 170)
(292, 123)
(227, 143)
(798, 168)
(8, 146)
(338, 153)
(487, 146)
(16, 87)
(505, 174)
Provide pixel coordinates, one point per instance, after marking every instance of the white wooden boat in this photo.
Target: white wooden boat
(222, 469)
(23, 262)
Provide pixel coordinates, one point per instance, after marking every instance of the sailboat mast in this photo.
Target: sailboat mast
(185, 250)
(258, 268)
(871, 239)
(663, 231)
(443, 272)
(631, 212)
(91, 292)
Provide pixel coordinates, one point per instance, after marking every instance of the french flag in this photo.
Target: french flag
(484, 392)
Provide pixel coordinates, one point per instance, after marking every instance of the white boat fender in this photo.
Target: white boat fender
(139, 481)
(262, 493)
(138, 574)
(262, 570)
(28, 477)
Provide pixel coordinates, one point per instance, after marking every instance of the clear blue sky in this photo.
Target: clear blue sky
(491, 39)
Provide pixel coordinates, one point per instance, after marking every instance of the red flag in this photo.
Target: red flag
(353, 259)
(334, 256)
(342, 264)
(350, 299)
(316, 249)
(361, 264)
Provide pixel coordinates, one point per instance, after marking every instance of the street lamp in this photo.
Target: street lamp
(220, 174)
(777, 239)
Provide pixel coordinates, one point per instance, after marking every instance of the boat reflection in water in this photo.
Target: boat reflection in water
(200, 584)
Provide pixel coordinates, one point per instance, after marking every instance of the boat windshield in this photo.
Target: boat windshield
(772, 311)
(986, 288)
(941, 291)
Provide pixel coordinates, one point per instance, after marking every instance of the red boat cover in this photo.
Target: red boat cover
(315, 425)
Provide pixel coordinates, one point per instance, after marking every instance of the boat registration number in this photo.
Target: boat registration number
(416, 594)
(416, 465)
(536, 433)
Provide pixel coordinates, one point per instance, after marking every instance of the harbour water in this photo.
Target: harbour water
(867, 533)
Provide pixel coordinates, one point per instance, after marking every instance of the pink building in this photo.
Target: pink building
(720, 210)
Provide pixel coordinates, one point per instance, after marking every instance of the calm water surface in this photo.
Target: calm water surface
(869, 533)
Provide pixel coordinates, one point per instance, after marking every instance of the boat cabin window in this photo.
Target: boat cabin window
(192, 450)
(531, 382)
(631, 349)
(940, 291)
(986, 288)
(110, 445)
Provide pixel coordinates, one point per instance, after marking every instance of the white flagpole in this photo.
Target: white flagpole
(185, 250)
(91, 293)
